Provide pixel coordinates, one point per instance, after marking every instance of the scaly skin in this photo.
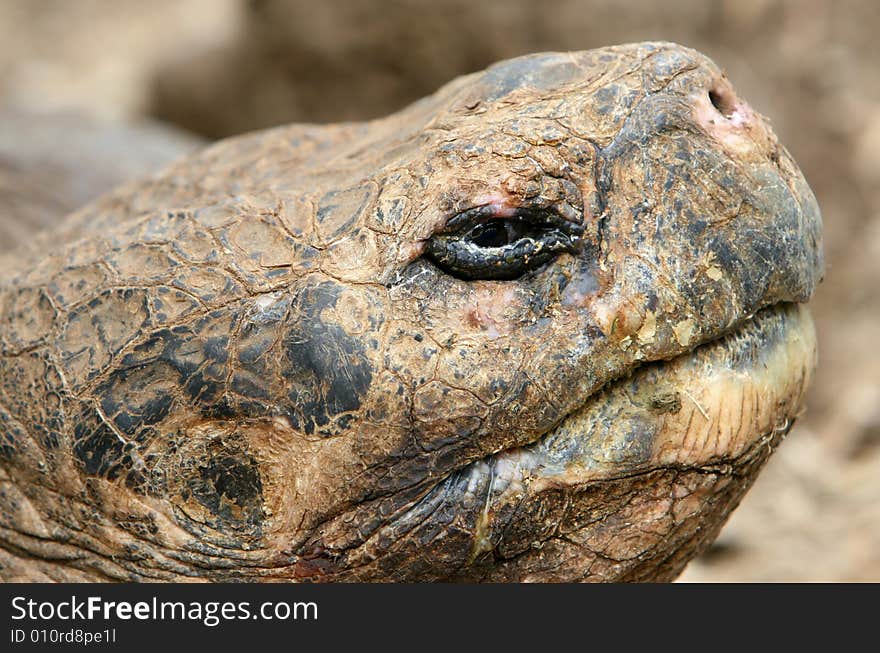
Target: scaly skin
(248, 367)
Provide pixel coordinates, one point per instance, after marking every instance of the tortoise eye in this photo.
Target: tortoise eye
(477, 244)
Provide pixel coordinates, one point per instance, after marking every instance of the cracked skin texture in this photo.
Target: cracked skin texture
(245, 368)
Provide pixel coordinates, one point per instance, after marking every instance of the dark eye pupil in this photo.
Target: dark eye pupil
(490, 235)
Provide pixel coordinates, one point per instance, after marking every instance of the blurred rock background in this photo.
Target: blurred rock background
(94, 92)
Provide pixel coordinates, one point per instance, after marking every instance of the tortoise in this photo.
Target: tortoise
(546, 324)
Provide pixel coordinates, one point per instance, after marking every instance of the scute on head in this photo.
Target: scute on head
(542, 72)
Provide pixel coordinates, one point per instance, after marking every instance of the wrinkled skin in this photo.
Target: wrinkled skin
(248, 368)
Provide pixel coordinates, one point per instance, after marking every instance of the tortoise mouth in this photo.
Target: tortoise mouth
(679, 439)
(707, 407)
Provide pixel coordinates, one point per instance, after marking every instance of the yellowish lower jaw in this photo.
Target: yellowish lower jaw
(727, 408)
(709, 407)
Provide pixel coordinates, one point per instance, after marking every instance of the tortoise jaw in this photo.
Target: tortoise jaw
(691, 432)
(705, 407)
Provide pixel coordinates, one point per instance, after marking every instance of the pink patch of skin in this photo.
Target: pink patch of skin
(410, 251)
(486, 310)
(617, 315)
(738, 127)
(500, 203)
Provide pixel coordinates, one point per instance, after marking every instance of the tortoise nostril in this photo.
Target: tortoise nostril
(723, 100)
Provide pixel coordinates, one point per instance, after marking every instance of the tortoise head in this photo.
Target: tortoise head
(544, 324)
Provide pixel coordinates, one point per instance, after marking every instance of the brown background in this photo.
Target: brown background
(219, 67)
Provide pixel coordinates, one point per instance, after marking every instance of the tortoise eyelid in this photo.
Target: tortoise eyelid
(468, 248)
